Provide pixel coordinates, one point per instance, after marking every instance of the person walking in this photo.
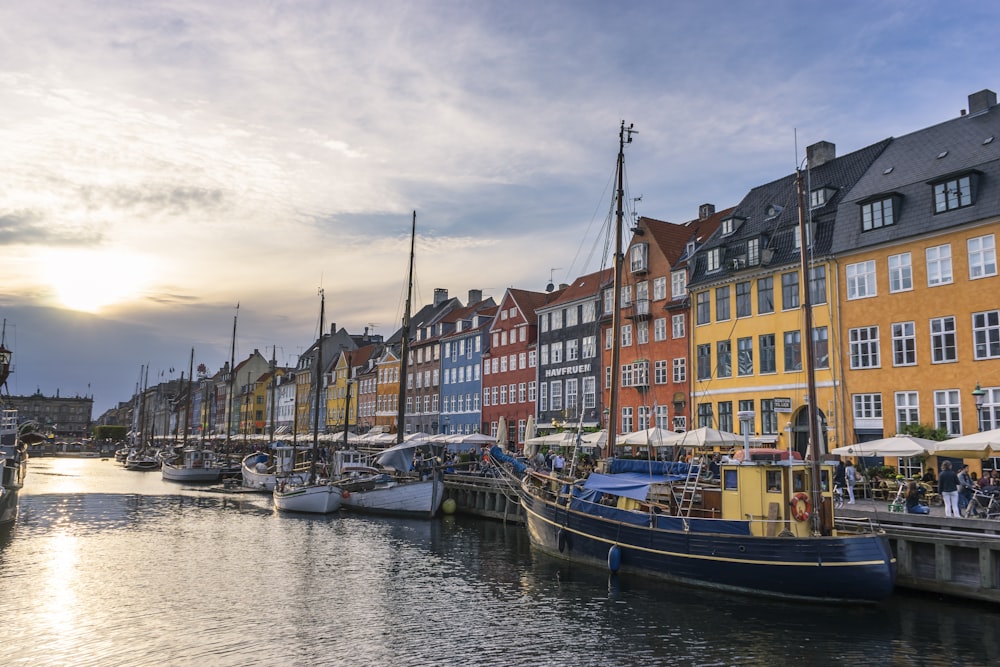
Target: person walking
(851, 474)
(948, 488)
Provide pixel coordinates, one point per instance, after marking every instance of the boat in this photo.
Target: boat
(314, 494)
(142, 458)
(391, 483)
(15, 439)
(193, 464)
(261, 469)
(660, 519)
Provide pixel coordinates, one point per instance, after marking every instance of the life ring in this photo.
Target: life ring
(801, 506)
(345, 494)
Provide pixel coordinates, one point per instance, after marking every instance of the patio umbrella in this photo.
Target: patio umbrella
(656, 436)
(973, 446)
(704, 437)
(501, 438)
(529, 434)
(897, 445)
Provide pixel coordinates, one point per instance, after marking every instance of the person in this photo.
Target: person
(928, 477)
(558, 463)
(851, 474)
(912, 500)
(965, 488)
(948, 488)
(839, 478)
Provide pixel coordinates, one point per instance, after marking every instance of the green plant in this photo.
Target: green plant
(924, 431)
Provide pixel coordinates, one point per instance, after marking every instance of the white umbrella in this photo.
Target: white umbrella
(656, 436)
(530, 434)
(704, 437)
(897, 445)
(501, 438)
(973, 446)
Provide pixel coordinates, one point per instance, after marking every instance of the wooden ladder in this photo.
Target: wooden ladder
(686, 501)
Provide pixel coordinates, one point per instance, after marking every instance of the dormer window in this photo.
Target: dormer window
(639, 257)
(753, 252)
(689, 249)
(878, 213)
(820, 197)
(955, 192)
(730, 225)
(714, 260)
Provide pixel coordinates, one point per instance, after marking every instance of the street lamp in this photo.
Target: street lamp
(978, 395)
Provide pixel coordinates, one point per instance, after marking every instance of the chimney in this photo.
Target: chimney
(820, 153)
(440, 295)
(982, 101)
(706, 211)
(333, 328)
(475, 296)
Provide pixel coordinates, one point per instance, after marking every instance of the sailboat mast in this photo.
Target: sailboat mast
(809, 358)
(274, 381)
(347, 408)
(624, 137)
(232, 377)
(318, 381)
(187, 399)
(405, 346)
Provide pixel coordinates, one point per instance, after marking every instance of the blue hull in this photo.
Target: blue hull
(841, 568)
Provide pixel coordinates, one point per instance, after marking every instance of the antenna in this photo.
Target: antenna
(551, 286)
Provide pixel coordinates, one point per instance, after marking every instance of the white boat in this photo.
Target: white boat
(314, 494)
(261, 470)
(192, 465)
(140, 458)
(14, 440)
(391, 486)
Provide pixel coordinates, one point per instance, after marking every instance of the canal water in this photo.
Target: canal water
(109, 567)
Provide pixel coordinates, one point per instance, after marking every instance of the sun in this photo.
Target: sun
(91, 280)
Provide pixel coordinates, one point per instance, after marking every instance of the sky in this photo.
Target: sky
(163, 161)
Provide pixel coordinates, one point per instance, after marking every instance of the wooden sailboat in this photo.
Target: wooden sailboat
(191, 464)
(388, 484)
(14, 441)
(314, 495)
(736, 538)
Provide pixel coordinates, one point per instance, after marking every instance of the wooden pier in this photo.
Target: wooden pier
(936, 554)
(489, 497)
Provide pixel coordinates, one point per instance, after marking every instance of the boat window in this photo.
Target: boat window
(798, 481)
(824, 476)
(774, 481)
(729, 480)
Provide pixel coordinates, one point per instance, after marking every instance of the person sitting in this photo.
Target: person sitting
(928, 477)
(912, 500)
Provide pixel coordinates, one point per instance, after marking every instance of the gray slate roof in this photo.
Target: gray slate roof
(915, 164)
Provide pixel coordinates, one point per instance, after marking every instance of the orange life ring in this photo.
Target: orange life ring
(345, 494)
(801, 506)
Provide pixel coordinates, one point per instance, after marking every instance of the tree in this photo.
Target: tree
(925, 432)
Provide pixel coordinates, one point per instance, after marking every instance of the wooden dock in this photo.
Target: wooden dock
(937, 554)
(489, 497)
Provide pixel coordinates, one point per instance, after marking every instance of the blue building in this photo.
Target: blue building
(461, 362)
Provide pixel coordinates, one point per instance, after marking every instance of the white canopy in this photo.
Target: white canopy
(973, 446)
(897, 445)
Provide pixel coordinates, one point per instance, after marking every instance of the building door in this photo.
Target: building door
(800, 431)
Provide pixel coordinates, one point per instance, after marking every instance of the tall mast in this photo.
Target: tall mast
(318, 382)
(187, 399)
(624, 137)
(274, 381)
(347, 409)
(232, 377)
(4, 357)
(808, 359)
(405, 347)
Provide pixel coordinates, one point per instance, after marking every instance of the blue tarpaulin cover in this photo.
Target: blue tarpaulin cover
(649, 467)
(627, 485)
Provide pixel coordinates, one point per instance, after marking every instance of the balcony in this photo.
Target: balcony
(639, 310)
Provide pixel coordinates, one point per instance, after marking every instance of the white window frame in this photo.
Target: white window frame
(939, 269)
(900, 273)
(982, 257)
(861, 282)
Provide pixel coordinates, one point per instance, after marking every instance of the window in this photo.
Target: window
(944, 344)
(863, 343)
(867, 406)
(952, 194)
(714, 260)
(904, 344)
(571, 395)
(724, 359)
(722, 310)
(704, 361)
(768, 417)
(678, 284)
(680, 370)
(555, 394)
(627, 377)
(589, 312)
(817, 285)
(660, 329)
(543, 397)
(768, 354)
(876, 214)
(557, 319)
(660, 371)
(726, 416)
(638, 255)
(659, 288)
(753, 252)
(589, 347)
(744, 356)
(727, 227)
(589, 392)
(626, 420)
(861, 280)
(982, 257)
(939, 265)
(626, 296)
(765, 295)
(608, 301)
(789, 290)
(626, 335)
(531, 391)
(947, 411)
(556, 350)
(703, 307)
(986, 334)
(900, 273)
(821, 347)
(705, 415)
(677, 326)
(572, 314)
(662, 417)
(907, 409)
(743, 299)
(793, 351)
(543, 353)
(642, 333)
(572, 349)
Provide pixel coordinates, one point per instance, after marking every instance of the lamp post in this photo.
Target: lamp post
(978, 395)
